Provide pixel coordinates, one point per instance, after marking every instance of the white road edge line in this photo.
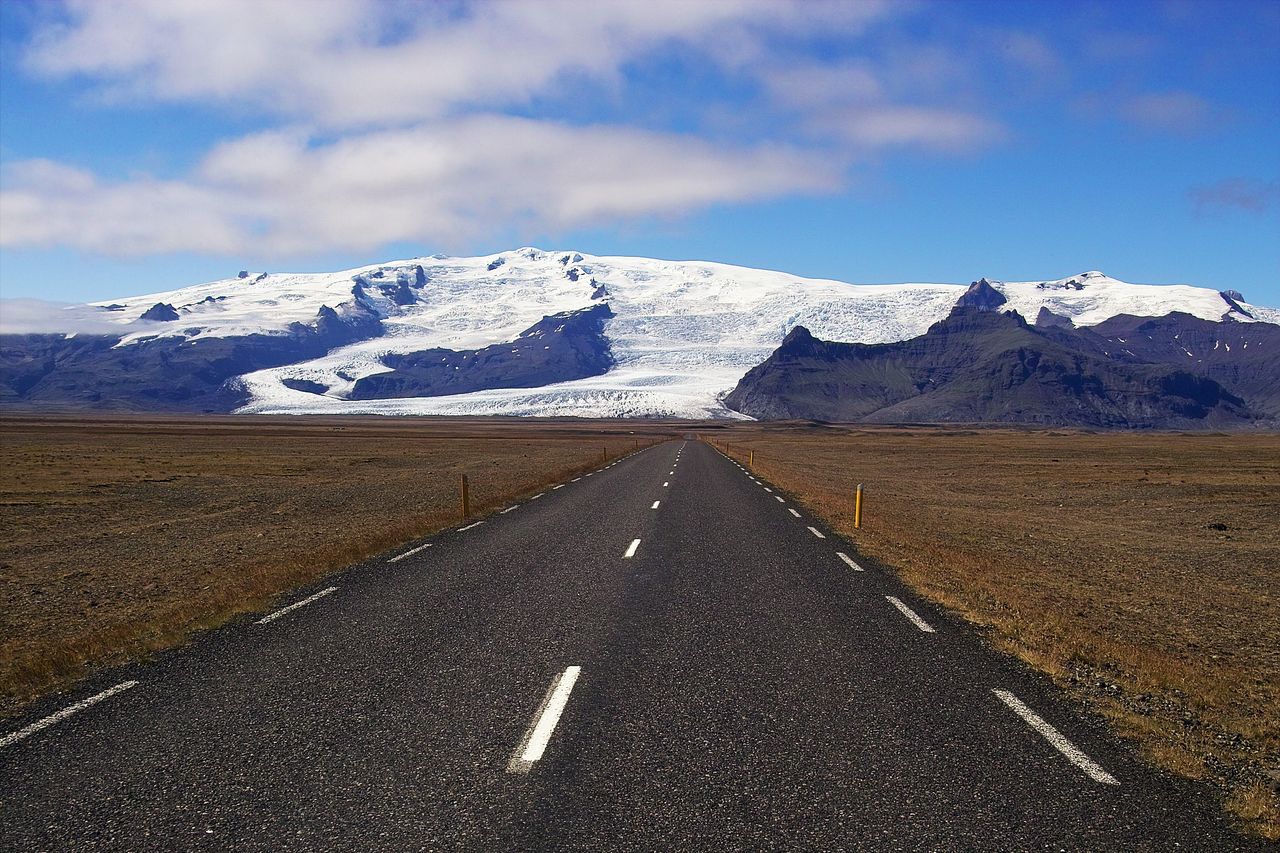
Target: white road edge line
(655, 504)
(397, 558)
(793, 512)
(471, 525)
(631, 549)
(816, 532)
(282, 611)
(539, 734)
(1056, 738)
(849, 561)
(509, 509)
(911, 614)
(39, 725)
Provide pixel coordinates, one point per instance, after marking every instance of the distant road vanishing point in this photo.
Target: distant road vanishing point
(665, 653)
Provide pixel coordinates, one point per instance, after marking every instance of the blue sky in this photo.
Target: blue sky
(147, 144)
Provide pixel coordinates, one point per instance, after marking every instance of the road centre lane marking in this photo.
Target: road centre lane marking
(849, 561)
(575, 479)
(631, 549)
(539, 734)
(50, 720)
(560, 486)
(471, 525)
(793, 512)
(1056, 738)
(780, 499)
(509, 509)
(655, 504)
(666, 483)
(911, 614)
(282, 611)
(409, 553)
(816, 532)
(767, 489)
(538, 495)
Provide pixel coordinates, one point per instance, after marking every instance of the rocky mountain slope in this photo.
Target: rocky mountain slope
(526, 332)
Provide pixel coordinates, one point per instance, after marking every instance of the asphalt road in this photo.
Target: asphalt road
(544, 681)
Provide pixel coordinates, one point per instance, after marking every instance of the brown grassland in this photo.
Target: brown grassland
(122, 536)
(1140, 571)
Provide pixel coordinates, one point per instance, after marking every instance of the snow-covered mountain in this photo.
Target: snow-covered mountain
(674, 339)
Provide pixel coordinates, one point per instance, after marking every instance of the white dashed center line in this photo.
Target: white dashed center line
(471, 525)
(665, 483)
(910, 614)
(575, 479)
(779, 499)
(816, 532)
(631, 549)
(538, 495)
(1055, 737)
(561, 486)
(509, 509)
(282, 611)
(38, 725)
(655, 504)
(539, 735)
(409, 553)
(793, 512)
(849, 561)
(767, 489)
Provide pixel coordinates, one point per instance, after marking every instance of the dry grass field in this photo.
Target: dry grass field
(1142, 572)
(125, 535)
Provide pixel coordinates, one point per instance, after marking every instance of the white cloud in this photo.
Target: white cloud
(273, 193)
(349, 63)
(884, 126)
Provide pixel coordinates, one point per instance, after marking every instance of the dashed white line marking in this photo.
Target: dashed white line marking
(911, 614)
(471, 525)
(1055, 737)
(538, 495)
(282, 611)
(779, 499)
(767, 489)
(575, 479)
(816, 532)
(509, 509)
(39, 725)
(671, 473)
(655, 504)
(560, 486)
(631, 549)
(409, 553)
(539, 734)
(793, 512)
(849, 561)
(666, 483)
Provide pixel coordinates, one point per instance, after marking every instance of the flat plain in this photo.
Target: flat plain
(1137, 570)
(1140, 571)
(123, 535)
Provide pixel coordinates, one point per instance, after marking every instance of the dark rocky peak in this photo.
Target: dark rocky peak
(972, 319)
(599, 290)
(982, 296)
(573, 274)
(114, 306)
(1046, 319)
(496, 262)
(242, 274)
(564, 260)
(419, 276)
(161, 312)
(1233, 298)
(377, 274)
(797, 335)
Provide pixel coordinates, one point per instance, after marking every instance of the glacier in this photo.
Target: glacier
(682, 335)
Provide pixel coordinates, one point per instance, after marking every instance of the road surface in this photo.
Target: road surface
(666, 654)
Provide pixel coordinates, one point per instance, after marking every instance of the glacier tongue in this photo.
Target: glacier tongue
(683, 334)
